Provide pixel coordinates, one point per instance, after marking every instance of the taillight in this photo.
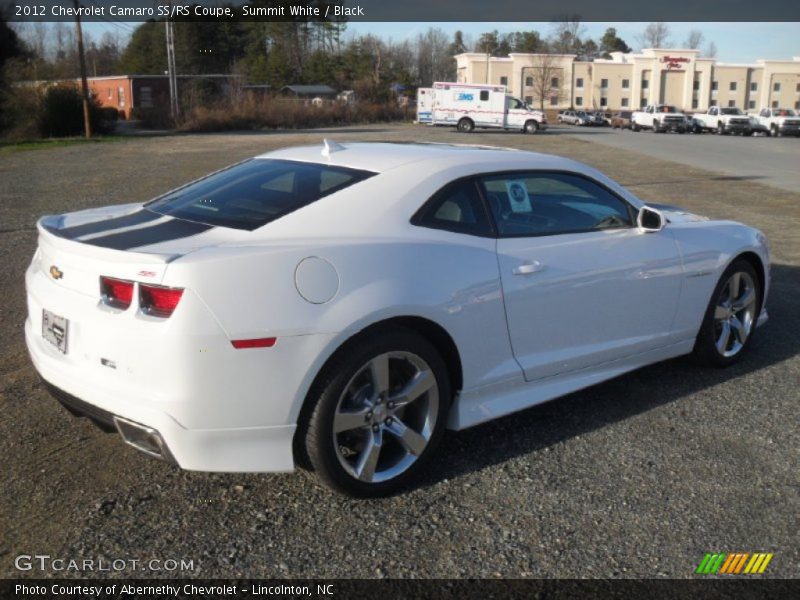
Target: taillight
(159, 301)
(116, 292)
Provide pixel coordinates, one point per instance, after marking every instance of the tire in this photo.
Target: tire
(531, 126)
(369, 460)
(720, 129)
(710, 348)
(466, 125)
(635, 127)
(656, 125)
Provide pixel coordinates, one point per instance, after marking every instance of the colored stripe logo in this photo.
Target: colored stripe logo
(735, 563)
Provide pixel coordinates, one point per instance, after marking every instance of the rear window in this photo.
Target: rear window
(256, 192)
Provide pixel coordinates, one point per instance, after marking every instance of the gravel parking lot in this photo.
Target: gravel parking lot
(637, 477)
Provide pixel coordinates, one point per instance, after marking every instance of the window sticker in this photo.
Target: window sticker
(518, 197)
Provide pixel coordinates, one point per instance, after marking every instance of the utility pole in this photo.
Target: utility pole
(87, 121)
(173, 77)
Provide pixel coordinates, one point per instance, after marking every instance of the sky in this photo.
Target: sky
(736, 42)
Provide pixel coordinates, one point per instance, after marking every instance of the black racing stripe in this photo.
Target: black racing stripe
(163, 232)
(138, 218)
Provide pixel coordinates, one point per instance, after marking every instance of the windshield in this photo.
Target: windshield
(255, 192)
(731, 111)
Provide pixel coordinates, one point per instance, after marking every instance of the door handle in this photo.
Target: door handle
(528, 268)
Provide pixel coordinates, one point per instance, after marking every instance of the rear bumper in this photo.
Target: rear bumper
(231, 449)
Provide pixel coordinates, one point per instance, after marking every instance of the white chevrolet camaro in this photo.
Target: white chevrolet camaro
(339, 306)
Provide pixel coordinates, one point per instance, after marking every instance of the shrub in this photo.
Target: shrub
(61, 113)
(281, 113)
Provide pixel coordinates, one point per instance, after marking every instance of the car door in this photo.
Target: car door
(516, 115)
(582, 285)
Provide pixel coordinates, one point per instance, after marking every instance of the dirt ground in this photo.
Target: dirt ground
(637, 477)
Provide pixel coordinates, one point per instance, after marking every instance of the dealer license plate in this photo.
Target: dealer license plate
(55, 329)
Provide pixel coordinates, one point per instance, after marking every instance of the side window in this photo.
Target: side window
(484, 95)
(456, 207)
(532, 204)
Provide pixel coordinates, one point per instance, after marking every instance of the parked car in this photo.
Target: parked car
(659, 118)
(724, 120)
(348, 302)
(780, 121)
(758, 128)
(572, 117)
(621, 120)
(597, 119)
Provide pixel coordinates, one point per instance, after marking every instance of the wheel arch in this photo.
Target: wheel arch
(758, 264)
(427, 328)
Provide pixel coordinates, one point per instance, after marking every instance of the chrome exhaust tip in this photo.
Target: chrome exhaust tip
(143, 438)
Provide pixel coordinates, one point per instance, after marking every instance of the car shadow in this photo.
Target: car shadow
(534, 429)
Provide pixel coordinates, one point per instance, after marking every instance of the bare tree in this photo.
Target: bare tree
(567, 35)
(694, 40)
(711, 50)
(655, 35)
(434, 58)
(547, 76)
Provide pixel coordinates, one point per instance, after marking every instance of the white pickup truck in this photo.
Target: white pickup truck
(724, 120)
(659, 118)
(780, 121)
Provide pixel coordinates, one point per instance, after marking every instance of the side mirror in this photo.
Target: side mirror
(650, 220)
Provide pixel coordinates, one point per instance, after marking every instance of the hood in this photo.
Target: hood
(676, 214)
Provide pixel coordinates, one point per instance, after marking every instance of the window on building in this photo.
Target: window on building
(714, 86)
(696, 85)
(774, 104)
(604, 101)
(529, 81)
(712, 103)
(146, 97)
(731, 103)
(751, 104)
(694, 103)
(797, 89)
(797, 105)
(645, 84)
(553, 100)
(109, 93)
(579, 82)
(626, 84)
(121, 92)
(578, 100)
(732, 86)
(504, 81)
(554, 82)
(604, 83)
(753, 86)
(776, 87)
(624, 103)
(642, 102)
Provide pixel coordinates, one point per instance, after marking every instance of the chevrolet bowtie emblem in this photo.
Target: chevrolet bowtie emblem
(55, 272)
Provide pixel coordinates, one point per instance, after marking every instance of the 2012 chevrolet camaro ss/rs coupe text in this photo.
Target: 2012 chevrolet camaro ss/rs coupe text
(340, 306)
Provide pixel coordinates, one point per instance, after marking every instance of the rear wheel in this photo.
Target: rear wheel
(731, 316)
(379, 412)
(466, 125)
(531, 126)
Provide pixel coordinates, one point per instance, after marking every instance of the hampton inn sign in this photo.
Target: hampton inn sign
(626, 81)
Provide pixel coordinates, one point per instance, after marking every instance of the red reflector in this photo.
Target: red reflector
(157, 300)
(257, 343)
(116, 292)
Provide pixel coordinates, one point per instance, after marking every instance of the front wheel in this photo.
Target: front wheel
(466, 125)
(731, 316)
(531, 126)
(379, 411)
(720, 129)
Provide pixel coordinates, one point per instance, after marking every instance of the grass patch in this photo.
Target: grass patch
(14, 147)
